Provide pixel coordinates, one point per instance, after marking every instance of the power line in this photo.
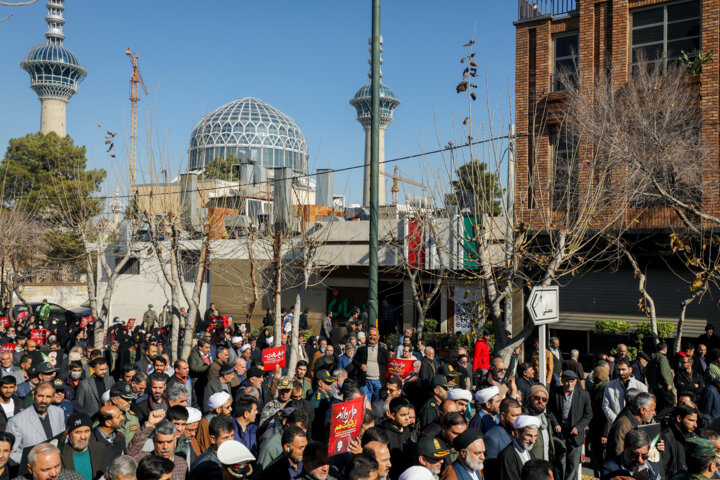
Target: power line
(449, 147)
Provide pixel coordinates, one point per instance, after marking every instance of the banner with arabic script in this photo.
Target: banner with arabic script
(273, 357)
(399, 367)
(345, 423)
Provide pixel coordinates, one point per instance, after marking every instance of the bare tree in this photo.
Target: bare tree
(14, 4)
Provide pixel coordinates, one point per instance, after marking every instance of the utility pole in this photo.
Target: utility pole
(374, 166)
(510, 221)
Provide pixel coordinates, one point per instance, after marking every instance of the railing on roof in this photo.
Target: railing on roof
(528, 9)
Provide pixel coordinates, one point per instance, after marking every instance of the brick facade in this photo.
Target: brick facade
(604, 29)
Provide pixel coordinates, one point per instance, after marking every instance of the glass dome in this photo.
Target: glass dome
(251, 130)
(53, 53)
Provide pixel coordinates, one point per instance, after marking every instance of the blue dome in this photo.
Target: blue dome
(253, 132)
(385, 91)
(52, 53)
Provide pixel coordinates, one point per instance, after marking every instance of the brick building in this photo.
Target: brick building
(587, 37)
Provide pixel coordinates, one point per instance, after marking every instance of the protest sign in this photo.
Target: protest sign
(273, 357)
(399, 367)
(345, 422)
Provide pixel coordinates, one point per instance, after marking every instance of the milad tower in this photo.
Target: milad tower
(55, 73)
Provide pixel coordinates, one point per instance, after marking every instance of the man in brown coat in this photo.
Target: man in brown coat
(641, 411)
(221, 357)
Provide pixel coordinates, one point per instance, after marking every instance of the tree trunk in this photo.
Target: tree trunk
(650, 310)
(193, 298)
(683, 308)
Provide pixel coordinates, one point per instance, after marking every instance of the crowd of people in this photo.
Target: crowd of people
(126, 411)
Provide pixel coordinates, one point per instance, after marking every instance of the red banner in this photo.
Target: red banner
(86, 320)
(226, 322)
(38, 335)
(9, 347)
(399, 367)
(345, 423)
(21, 315)
(273, 357)
(4, 322)
(130, 324)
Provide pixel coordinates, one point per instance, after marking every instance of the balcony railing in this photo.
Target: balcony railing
(528, 9)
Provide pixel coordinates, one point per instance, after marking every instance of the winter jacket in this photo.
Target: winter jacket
(710, 401)
(614, 397)
(481, 357)
(658, 372)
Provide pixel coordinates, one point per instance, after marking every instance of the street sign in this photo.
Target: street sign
(544, 305)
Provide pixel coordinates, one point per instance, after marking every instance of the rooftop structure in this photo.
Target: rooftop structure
(251, 130)
(388, 103)
(55, 72)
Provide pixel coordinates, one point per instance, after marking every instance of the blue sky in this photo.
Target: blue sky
(305, 58)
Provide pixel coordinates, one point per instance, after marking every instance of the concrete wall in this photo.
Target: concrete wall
(68, 296)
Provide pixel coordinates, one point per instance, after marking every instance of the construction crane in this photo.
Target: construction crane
(395, 189)
(135, 82)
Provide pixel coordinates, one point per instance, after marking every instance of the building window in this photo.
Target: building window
(661, 33)
(131, 267)
(565, 65)
(565, 172)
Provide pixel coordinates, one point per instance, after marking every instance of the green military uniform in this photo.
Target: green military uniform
(130, 426)
(697, 448)
(306, 386)
(318, 397)
(429, 412)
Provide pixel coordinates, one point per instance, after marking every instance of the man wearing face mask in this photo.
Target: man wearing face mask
(73, 379)
(515, 455)
(633, 461)
(471, 456)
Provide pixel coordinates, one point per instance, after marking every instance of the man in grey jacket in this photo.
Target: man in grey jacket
(614, 396)
(90, 391)
(327, 327)
(36, 424)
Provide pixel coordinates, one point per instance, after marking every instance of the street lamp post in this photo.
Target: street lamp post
(374, 166)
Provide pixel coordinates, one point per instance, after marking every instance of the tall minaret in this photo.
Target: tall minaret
(361, 102)
(55, 73)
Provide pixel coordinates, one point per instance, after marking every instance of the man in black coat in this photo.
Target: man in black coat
(368, 365)
(570, 414)
(294, 441)
(519, 451)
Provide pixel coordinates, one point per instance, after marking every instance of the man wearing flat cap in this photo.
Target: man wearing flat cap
(515, 455)
(471, 456)
(488, 400)
(570, 414)
(81, 452)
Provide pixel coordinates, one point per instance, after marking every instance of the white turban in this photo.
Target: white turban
(486, 394)
(105, 396)
(526, 421)
(460, 394)
(218, 399)
(245, 347)
(235, 340)
(194, 415)
(416, 473)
